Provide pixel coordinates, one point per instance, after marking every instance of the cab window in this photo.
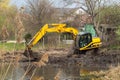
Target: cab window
(84, 40)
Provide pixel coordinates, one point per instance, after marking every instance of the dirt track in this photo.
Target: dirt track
(60, 56)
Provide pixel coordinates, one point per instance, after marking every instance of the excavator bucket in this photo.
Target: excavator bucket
(30, 54)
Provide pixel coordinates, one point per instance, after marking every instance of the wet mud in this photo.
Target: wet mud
(61, 57)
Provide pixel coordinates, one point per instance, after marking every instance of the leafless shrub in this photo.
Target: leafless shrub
(4, 32)
(19, 28)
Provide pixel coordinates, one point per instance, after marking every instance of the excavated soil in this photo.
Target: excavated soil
(101, 60)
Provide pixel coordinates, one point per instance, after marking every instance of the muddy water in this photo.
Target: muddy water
(25, 71)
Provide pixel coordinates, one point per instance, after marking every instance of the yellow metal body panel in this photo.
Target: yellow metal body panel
(96, 43)
(60, 28)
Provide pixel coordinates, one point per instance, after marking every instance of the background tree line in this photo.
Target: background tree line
(31, 17)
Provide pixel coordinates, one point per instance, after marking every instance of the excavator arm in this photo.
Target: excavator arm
(59, 28)
(83, 42)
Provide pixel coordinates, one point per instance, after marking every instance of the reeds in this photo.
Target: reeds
(112, 74)
(19, 28)
(43, 61)
(4, 32)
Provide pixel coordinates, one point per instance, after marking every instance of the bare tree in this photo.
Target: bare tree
(41, 11)
(91, 7)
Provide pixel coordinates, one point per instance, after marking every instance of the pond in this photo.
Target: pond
(26, 71)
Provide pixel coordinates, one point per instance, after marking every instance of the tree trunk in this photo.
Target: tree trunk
(96, 26)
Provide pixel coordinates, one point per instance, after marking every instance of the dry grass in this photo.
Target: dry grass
(4, 32)
(43, 60)
(38, 78)
(112, 74)
(15, 62)
(19, 28)
(17, 59)
(1, 53)
(57, 77)
(41, 78)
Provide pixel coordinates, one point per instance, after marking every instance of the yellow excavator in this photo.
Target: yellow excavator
(82, 41)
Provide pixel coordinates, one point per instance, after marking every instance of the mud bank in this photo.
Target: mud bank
(60, 56)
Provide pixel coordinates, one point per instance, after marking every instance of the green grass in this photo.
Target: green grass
(11, 46)
(21, 46)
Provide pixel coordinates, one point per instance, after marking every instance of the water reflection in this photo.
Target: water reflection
(54, 72)
(29, 72)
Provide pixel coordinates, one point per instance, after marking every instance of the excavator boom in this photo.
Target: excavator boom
(59, 28)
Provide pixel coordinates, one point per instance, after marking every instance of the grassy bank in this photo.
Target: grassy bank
(21, 46)
(11, 46)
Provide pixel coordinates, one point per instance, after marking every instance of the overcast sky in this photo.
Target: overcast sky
(19, 3)
(57, 3)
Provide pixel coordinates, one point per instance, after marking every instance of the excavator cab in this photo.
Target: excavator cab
(84, 40)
